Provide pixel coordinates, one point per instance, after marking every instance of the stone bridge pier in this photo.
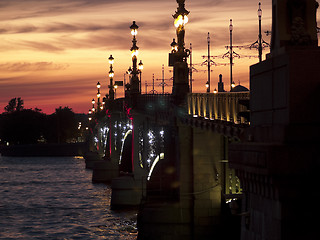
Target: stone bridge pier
(110, 134)
(144, 150)
(189, 192)
(187, 205)
(129, 187)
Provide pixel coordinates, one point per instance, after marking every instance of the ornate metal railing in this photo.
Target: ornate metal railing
(218, 106)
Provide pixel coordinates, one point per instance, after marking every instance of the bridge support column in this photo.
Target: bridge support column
(180, 87)
(108, 168)
(129, 188)
(195, 211)
(169, 215)
(104, 171)
(207, 156)
(91, 158)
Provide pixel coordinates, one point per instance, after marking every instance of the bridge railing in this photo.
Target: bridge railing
(218, 106)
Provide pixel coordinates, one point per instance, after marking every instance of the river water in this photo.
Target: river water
(54, 198)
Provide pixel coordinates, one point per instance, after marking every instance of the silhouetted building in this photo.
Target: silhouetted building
(239, 88)
(220, 84)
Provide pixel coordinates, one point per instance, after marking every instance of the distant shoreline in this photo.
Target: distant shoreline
(41, 150)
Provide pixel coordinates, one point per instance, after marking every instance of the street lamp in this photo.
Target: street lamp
(93, 102)
(231, 52)
(140, 65)
(180, 20)
(103, 102)
(174, 46)
(134, 88)
(178, 55)
(233, 85)
(208, 86)
(140, 71)
(98, 95)
(90, 118)
(260, 36)
(127, 85)
(259, 10)
(134, 29)
(115, 90)
(111, 60)
(111, 75)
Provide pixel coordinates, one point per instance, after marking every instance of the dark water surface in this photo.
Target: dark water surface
(54, 198)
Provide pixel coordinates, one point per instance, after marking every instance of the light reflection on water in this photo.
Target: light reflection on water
(54, 198)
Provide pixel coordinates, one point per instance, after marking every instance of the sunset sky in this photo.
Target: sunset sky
(53, 52)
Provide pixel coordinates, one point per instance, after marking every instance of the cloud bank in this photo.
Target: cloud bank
(55, 48)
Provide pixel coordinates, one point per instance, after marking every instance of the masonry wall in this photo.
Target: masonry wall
(207, 151)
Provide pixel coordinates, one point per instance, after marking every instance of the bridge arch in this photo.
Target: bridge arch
(125, 161)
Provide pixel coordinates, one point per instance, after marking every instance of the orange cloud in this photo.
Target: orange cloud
(54, 52)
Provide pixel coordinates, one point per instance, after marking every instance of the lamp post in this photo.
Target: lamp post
(104, 100)
(209, 62)
(260, 44)
(111, 75)
(124, 83)
(174, 46)
(90, 118)
(231, 53)
(190, 68)
(178, 55)
(233, 85)
(98, 96)
(208, 86)
(134, 84)
(260, 36)
(115, 91)
(93, 102)
(140, 71)
(180, 19)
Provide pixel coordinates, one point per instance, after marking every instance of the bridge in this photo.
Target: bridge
(232, 165)
(158, 152)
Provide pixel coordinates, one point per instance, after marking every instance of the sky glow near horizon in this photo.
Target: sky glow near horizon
(53, 52)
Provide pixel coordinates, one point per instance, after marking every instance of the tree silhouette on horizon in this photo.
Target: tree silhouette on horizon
(15, 104)
(28, 126)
